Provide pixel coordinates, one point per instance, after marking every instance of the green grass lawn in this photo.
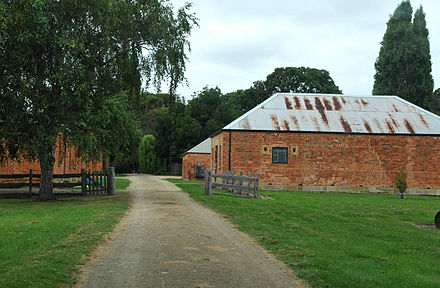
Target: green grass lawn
(121, 184)
(172, 180)
(42, 243)
(341, 240)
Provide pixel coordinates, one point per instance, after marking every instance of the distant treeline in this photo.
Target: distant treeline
(167, 125)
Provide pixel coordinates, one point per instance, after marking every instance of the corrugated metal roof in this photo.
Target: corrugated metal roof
(203, 147)
(338, 113)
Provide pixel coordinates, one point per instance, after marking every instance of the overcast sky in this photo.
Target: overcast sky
(241, 41)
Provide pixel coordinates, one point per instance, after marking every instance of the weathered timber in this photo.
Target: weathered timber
(233, 183)
(111, 181)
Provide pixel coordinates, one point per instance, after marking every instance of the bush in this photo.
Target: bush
(401, 184)
(148, 160)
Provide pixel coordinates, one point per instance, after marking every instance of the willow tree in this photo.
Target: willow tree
(403, 67)
(68, 67)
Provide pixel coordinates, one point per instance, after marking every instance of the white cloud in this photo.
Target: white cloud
(239, 42)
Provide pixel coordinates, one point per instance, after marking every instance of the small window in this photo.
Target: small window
(279, 155)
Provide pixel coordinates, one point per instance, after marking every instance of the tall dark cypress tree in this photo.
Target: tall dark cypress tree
(423, 82)
(403, 67)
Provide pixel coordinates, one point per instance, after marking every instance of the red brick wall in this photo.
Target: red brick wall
(188, 164)
(63, 165)
(334, 159)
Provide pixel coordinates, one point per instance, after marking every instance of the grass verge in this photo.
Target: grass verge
(341, 240)
(172, 180)
(121, 184)
(42, 243)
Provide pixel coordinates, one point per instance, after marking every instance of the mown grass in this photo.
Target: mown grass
(172, 180)
(121, 184)
(341, 240)
(42, 243)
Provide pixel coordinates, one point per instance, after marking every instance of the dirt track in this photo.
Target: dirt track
(168, 240)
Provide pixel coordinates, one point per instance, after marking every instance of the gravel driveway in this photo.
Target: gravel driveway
(168, 240)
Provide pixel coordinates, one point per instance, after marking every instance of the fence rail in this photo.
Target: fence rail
(91, 183)
(234, 183)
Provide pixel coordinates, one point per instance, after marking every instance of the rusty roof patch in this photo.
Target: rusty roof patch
(327, 104)
(343, 100)
(297, 103)
(378, 124)
(393, 120)
(275, 122)
(423, 121)
(262, 107)
(286, 125)
(318, 104)
(395, 108)
(409, 127)
(336, 103)
(295, 122)
(367, 126)
(288, 103)
(390, 127)
(316, 122)
(345, 124)
(321, 110)
(365, 103)
(308, 104)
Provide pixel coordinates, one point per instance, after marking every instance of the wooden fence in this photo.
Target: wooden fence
(91, 183)
(234, 183)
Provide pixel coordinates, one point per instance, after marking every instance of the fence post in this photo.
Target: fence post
(249, 184)
(111, 181)
(256, 185)
(106, 182)
(31, 172)
(208, 184)
(240, 191)
(83, 182)
(232, 181)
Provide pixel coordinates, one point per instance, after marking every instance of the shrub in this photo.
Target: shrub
(401, 184)
(148, 161)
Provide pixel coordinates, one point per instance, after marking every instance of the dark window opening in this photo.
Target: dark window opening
(279, 155)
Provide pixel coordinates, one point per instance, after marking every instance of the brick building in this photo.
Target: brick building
(200, 154)
(65, 162)
(316, 142)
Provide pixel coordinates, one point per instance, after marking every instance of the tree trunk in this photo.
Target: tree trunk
(46, 182)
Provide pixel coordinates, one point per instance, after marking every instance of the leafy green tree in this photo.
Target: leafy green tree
(300, 80)
(403, 67)
(212, 110)
(148, 160)
(288, 79)
(125, 160)
(163, 130)
(69, 67)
